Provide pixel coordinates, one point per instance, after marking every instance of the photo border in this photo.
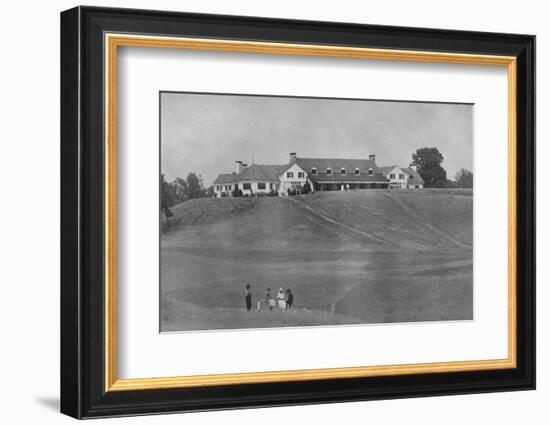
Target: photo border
(113, 41)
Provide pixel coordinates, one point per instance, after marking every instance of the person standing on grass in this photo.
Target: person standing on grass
(289, 298)
(248, 298)
(281, 299)
(270, 301)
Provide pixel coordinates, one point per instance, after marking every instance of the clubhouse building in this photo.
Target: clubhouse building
(321, 174)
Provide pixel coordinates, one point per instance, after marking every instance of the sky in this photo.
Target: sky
(207, 133)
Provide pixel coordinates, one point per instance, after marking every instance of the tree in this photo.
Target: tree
(464, 178)
(194, 186)
(428, 162)
(167, 198)
(181, 189)
(210, 192)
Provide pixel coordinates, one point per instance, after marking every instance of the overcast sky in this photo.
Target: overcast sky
(206, 133)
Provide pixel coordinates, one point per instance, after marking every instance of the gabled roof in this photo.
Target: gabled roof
(225, 178)
(386, 170)
(407, 170)
(254, 172)
(416, 177)
(336, 164)
(262, 172)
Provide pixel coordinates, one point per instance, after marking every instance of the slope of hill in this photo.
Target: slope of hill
(368, 256)
(365, 220)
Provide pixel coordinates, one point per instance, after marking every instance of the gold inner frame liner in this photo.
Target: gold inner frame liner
(113, 41)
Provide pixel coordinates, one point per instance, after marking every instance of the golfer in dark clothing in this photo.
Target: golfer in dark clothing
(248, 298)
(289, 298)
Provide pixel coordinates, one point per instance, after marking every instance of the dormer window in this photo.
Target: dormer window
(411, 177)
(329, 171)
(371, 171)
(342, 171)
(357, 172)
(314, 170)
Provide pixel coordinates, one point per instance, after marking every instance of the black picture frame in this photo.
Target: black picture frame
(83, 392)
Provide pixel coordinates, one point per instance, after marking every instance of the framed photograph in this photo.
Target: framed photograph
(261, 212)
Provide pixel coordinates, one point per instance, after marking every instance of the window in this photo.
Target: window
(357, 172)
(401, 176)
(301, 175)
(261, 185)
(342, 171)
(314, 171)
(329, 171)
(411, 177)
(371, 172)
(247, 186)
(290, 175)
(392, 176)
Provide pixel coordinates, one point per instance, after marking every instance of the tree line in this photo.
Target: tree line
(428, 162)
(180, 190)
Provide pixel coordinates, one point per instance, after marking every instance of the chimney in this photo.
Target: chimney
(238, 167)
(413, 167)
(292, 158)
(245, 165)
(372, 158)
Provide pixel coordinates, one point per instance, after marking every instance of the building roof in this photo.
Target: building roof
(348, 178)
(225, 178)
(407, 170)
(386, 170)
(269, 173)
(416, 177)
(321, 164)
(254, 172)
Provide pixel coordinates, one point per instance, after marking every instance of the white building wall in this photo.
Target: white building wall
(402, 182)
(254, 188)
(294, 181)
(399, 179)
(223, 188)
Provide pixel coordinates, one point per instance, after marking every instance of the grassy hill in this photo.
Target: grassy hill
(362, 256)
(366, 220)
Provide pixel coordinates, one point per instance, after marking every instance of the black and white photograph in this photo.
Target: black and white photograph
(302, 211)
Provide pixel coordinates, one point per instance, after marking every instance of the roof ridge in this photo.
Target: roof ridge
(339, 159)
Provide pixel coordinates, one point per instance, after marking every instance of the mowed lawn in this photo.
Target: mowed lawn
(370, 256)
